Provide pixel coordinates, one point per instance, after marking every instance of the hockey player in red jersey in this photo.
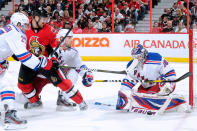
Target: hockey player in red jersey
(41, 41)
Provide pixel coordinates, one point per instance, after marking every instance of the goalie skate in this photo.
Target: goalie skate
(37, 104)
(12, 122)
(64, 104)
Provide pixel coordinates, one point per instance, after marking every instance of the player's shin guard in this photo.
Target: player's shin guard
(29, 92)
(75, 95)
(123, 102)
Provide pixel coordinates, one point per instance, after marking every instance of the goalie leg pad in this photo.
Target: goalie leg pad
(123, 102)
(154, 102)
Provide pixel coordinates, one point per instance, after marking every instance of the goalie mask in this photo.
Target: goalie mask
(139, 52)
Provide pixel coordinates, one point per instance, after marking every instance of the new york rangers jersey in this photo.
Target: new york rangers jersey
(153, 68)
(13, 41)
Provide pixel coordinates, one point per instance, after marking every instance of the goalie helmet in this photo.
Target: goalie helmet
(62, 33)
(19, 18)
(139, 52)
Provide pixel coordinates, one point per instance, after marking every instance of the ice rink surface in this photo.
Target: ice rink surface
(102, 118)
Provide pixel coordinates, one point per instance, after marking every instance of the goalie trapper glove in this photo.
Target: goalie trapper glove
(87, 79)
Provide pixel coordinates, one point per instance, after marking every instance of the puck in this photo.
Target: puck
(149, 113)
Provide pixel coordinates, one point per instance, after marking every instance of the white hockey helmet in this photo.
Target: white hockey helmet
(19, 18)
(62, 33)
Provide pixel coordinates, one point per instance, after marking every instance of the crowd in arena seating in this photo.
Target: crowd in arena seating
(98, 16)
(174, 19)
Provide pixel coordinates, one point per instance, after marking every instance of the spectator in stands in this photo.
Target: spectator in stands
(118, 15)
(58, 23)
(66, 16)
(41, 4)
(169, 27)
(156, 28)
(97, 24)
(118, 26)
(129, 28)
(55, 16)
(29, 7)
(103, 17)
(108, 21)
(77, 30)
(145, 3)
(48, 8)
(164, 22)
(21, 6)
(181, 28)
(194, 12)
(61, 12)
(51, 4)
(3, 20)
(175, 21)
(174, 8)
(179, 14)
(93, 16)
(134, 7)
(67, 25)
(142, 10)
(104, 28)
(89, 11)
(82, 23)
(89, 28)
(16, 8)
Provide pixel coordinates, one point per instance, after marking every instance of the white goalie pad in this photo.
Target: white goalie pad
(145, 103)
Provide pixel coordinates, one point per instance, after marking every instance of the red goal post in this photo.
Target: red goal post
(193, 67)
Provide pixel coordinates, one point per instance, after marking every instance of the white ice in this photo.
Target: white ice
(100, 118)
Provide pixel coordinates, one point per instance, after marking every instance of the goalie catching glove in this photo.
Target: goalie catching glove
(87, 79)
(165, 87)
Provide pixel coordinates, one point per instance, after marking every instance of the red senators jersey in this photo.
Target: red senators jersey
(39, 40)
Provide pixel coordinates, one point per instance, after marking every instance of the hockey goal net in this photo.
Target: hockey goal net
(193, 68)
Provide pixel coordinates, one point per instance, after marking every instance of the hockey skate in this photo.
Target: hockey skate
(37, 105)
(12, 122)
(83, 106)
(64, 104)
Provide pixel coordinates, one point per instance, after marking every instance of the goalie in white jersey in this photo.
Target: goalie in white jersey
(149, 96)
(13, 42)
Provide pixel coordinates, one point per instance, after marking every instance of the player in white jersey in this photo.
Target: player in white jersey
(13, 42)
(70, 56)
(147, 66)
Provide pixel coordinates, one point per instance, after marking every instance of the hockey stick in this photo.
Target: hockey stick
(95, 70)
(155, 81)
(70, 29)
(133, 109)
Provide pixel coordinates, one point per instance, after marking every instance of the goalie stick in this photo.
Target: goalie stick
(70, 30)
(155, 81)
(95, 70)
(133, 109)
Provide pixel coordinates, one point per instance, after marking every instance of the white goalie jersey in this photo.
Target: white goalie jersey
(153, 68)
(13, 41)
